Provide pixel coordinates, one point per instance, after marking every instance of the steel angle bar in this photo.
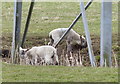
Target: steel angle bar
(27, 22)
(73, 23)
(87, 33)
(16, 29)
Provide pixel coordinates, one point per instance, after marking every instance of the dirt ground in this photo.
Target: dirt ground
(38, 41)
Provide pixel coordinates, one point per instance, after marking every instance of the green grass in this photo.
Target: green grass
(22, 73)
(50, 15)
(46, 17)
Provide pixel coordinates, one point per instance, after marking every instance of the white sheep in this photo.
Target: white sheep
(56, 34)
(73, 39)
(46, 52)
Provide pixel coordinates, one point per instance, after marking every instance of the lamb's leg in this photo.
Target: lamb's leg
(76, 59)
(80, 58)
(69, 50)
(27, 61)
(32, 61)
(67, 61)
(36, 60)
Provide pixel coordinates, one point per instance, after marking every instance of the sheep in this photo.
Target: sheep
(74, 40)
(46, 52)
(56, 34)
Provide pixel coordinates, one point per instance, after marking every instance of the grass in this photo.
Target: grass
(23, 73)
(50, 15)
(46, 17)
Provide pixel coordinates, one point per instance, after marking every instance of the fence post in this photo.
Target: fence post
(16, 30)
(91, 55)
(106, 33)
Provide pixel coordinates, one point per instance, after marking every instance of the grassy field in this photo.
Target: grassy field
(50, 15)
(18, 73)
(46, 17)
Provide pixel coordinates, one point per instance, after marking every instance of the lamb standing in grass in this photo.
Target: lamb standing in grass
(56, 34)
(48, 53)
(73, 39)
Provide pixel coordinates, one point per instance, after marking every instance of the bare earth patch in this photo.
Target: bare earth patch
(38, 41)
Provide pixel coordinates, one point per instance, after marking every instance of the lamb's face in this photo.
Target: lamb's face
(83, 42)
(22, 52)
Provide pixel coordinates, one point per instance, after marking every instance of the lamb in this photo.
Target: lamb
(46, 52)
(56, 34)
(73, 39)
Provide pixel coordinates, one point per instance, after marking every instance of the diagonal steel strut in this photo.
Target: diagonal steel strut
(27, 22)
(73, 23)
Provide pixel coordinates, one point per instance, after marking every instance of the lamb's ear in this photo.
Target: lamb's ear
(26, 50)
(20, 48)
(83, 37)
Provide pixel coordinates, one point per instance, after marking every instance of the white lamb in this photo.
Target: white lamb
(56, 34)
(73, 39)
(48, 53)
